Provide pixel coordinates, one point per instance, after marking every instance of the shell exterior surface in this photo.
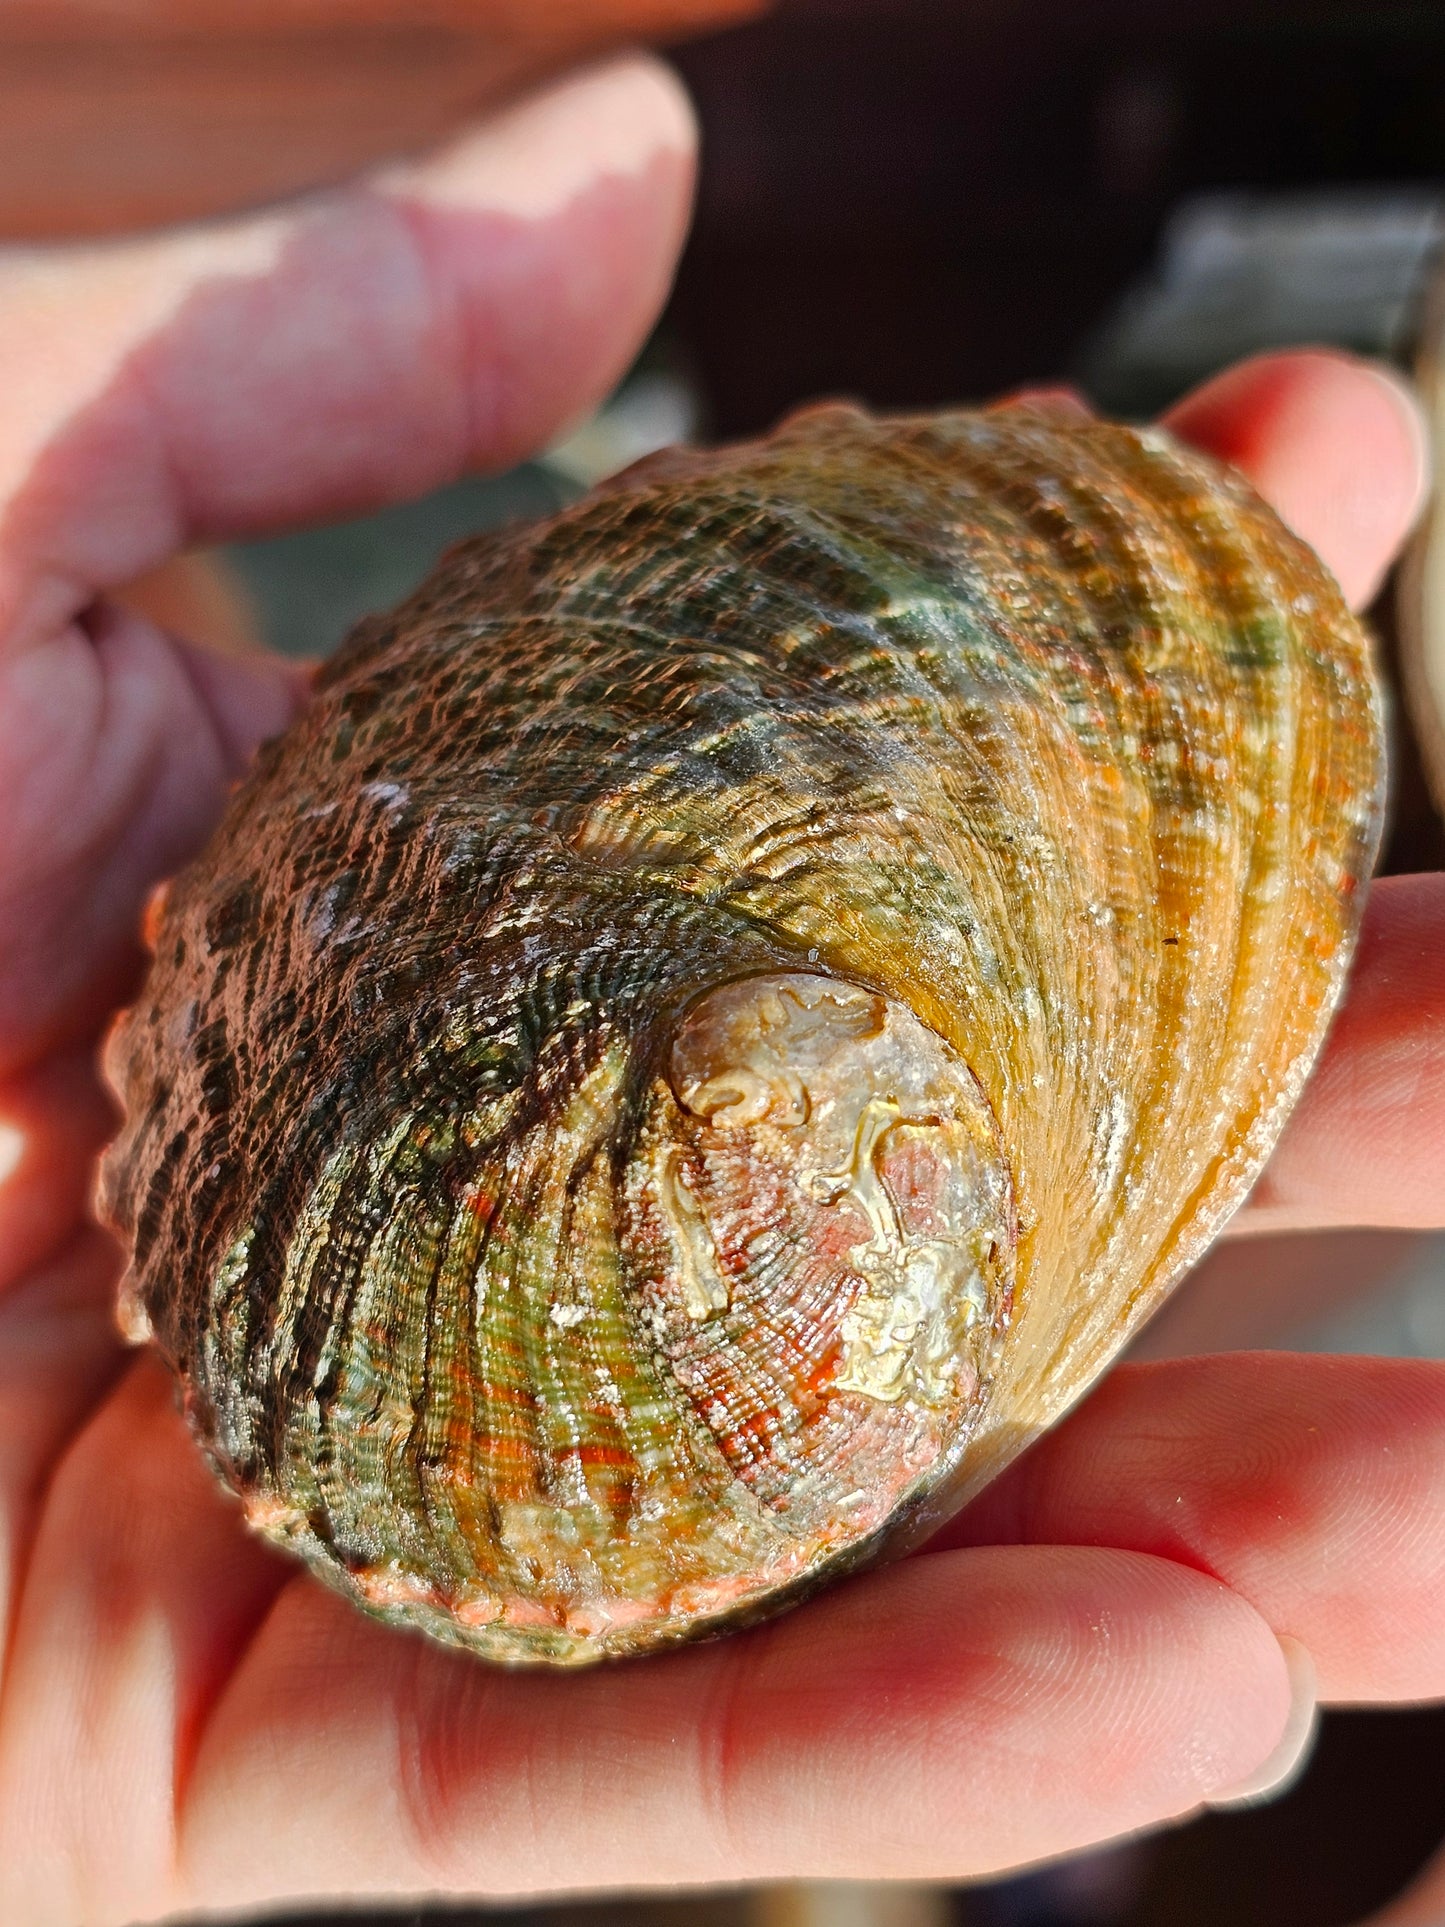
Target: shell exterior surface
(731, 1006)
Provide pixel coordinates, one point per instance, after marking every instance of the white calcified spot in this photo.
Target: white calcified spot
(564, 1317)
(898, 1336)
(131, 1316)
(233, 1266)
(393, 795)
(704, 1290)
(740, 1096)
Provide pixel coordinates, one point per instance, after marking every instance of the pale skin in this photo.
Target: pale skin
(187, 1720)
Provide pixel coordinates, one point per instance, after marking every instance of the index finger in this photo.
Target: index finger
(351, 348)
(1336, 445)
(354, 347)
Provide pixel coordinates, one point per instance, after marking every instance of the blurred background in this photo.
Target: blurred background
(912, 202)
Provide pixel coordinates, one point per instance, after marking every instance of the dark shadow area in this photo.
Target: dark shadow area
(1368, 1813)
(703, 1910)
(916, 202)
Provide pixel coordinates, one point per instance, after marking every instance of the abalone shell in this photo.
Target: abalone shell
(731, 1006)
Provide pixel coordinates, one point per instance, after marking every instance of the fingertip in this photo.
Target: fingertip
(1336, 444)
(535, 158)
(1404, 400)
(554, 231)
(1121, 1689)
(1288, 1759)
(1312, 1488)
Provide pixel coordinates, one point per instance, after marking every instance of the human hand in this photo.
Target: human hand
(187, 1720)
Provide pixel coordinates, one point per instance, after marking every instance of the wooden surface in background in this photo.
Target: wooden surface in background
(118, 114)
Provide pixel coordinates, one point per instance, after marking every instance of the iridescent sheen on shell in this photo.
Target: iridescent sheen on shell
(732, 1005)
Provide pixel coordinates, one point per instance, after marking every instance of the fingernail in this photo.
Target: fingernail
(1287, 1760)
(1409, 402)
(532, 159)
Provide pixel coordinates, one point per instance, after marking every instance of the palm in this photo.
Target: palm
(186, 1719)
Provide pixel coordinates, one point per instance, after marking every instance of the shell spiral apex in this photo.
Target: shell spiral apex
(731, 1006)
